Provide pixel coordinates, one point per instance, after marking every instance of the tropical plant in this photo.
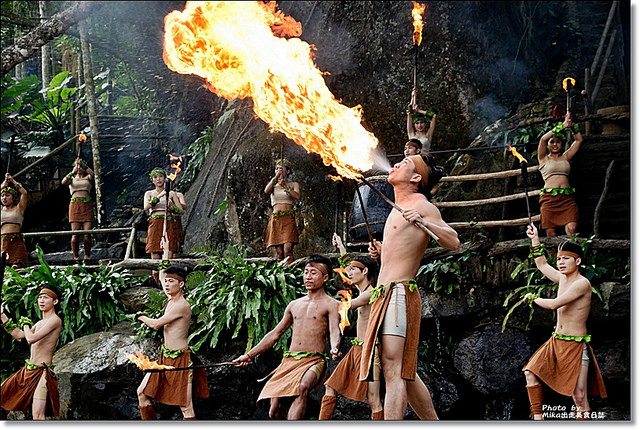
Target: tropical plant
(89, 301)
(234, 295)
(446, 274)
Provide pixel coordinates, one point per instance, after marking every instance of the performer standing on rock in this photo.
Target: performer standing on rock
(80, 207)
(397, 309)
(565, 362)
(558, 206)
(35, 384)
(362, 271)
(304, 365)
(173, 387)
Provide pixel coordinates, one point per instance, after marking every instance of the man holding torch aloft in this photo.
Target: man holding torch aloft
(396, 311)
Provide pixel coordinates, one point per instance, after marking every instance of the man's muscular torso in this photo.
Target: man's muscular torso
(310, 323)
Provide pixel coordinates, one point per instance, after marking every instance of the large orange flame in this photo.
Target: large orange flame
(82, 137)
(416, 14)
(343, 275)
(343, 309)
(143, 362)
(173, 175)
(517, 154)
(569, 79)
(241, 51)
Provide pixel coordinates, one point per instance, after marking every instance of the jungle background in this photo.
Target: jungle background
(492, 71)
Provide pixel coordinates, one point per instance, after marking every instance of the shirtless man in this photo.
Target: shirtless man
(173, 387)
(565, 362)
(400, 256)
(35, 383)
(304, 365)
(345, 379)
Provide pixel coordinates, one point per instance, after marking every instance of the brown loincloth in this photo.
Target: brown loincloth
(13, 245)
(345, 377)
(178, 231)
(170, 388)
(281, 230)
(557, 363)
(154, 234)
(80, 211)
(18, 389)
(410, 353)
(286, 380)
(557, 211)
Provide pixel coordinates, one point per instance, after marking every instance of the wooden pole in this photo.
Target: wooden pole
(93, 118)
(603, 196)
(482, 202)
(130, 244)
(51, 154)
(72, 232)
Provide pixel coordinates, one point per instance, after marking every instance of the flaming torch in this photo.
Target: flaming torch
(568, 84)
(525, 175)
(416, 14)
(343, 309)
(81, 139)
(144, 363)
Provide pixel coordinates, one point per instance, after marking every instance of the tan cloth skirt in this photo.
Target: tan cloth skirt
(18, 390)
(557, 211)
(557, 363)
(345, 378)
(13, 245)
(154, 234)
(281, 230)
(286, 380)
(80, 211)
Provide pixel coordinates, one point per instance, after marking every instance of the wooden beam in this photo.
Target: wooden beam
(481, 202)
(500, 223)
(492, 175)
(72, 232)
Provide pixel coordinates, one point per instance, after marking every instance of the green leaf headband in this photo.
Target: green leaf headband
(11, 191)
(157, 172)
(285, 162)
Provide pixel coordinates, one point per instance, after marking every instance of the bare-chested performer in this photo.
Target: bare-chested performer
(565, 362)
(35, 384)
(173, 387)
(304, 365)
(396, 311)
(345, 379)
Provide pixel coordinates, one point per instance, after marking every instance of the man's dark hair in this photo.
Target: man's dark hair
(57, 292)
(416, 141)
(176, 270)
(435, 174)
(321, 259)
(571, 247)
(371, 265)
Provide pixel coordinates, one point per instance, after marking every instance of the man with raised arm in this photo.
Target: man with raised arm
(173, 387)
(565, 362)
(397, 307)
(304, 365)
(345, 379)
(35, 384)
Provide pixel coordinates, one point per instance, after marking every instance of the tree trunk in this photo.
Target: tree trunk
(45, 51)
(93, 118)
(45, 32)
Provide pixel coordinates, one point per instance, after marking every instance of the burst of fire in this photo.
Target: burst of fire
(517, 154)
(565, 81)
(416, 14)
(335, 178)
(82, 137)
(173, 175)
(342, 272)
(343, 309)
(143, 362)
(248, 49)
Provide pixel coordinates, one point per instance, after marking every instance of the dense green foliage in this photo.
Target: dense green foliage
(235, 295)
(447, 274)
(89, 301)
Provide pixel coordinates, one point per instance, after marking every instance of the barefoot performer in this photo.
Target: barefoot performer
(345, 379)
(173, 388)
(35, 384)
(304, 365)
(14, 202)
(396, 311)
(80, 207)
(565, 362)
